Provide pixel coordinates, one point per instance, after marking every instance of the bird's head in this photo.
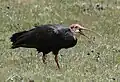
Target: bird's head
(76, 28)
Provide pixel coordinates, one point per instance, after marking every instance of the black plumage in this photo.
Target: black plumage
(46, 38)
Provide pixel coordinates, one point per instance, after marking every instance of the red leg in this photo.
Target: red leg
(56, 60)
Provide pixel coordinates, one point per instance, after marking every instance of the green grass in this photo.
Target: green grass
(102, 65)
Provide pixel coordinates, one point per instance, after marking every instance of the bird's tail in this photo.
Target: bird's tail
(15, 37)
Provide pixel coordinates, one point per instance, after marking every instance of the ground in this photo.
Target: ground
(93, 60)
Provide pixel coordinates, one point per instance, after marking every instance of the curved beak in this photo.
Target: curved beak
(82, 28)
(80, 31)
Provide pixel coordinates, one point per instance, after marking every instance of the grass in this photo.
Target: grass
(86, 62)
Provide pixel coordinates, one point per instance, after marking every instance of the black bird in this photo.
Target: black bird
(48, 38)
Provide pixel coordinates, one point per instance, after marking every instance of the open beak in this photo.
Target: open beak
(82, 28)
(80, 31)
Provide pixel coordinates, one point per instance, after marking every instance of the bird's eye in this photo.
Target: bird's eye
(72, 27)
(75, 26)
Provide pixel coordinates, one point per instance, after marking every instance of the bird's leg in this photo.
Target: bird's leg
(56, 57)
(56, 60)
(44, 58)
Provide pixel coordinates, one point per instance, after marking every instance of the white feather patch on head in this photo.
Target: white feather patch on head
(77, 31)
